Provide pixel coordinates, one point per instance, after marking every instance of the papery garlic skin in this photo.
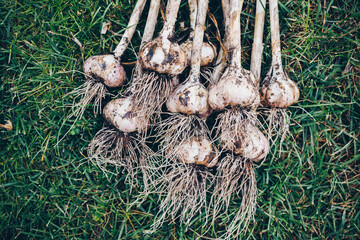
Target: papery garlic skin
(120, 113)
(105, 68)
(189, 98)
(278, 90)
(199, 151)
(235, 88)
(251, 143)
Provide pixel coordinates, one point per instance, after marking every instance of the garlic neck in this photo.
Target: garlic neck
(171, 15)
(275, 33)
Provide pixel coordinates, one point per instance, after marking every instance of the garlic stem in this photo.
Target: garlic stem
(149, 29)
(258, 46)
(198, 40)
(226, 15)
(233, 32)
(130, 30)
(275, 33)
(193, 13)
(170, 19)
(221, 59)
(151, 21)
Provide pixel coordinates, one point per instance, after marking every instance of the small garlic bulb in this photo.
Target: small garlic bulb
(120, 113)
(163, 56)
(105, 68)
(278, 90)
(251, 143)
(208, 52)
(199, 151)
(235, 88)
(189, 98)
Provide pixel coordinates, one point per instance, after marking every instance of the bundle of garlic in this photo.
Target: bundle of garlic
(185, 140)
(184, 174)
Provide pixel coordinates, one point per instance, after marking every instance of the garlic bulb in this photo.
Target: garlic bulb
(235, 88)
(208, 52)
(120, 113)
(163, 54)
(278, 90)
(189, 98)
(106, 69)
(250, 143)
(197, 150)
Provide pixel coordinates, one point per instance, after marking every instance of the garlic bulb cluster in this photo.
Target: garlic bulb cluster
(194, 159)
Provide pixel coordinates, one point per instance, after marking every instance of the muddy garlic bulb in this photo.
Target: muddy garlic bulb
(106, 69)
(190, 97)
(120, 113)
(235, 88)
(251, 143)
(199, 151)
(208, 52)
(278, 90)
(163, 54)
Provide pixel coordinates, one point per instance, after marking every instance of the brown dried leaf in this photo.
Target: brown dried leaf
(8, 126)
(105, 27)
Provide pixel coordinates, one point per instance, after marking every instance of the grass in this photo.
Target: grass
(49, 190)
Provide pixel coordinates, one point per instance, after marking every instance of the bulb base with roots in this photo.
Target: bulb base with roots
(112, 150)
(235, 177)
(188, 153)
(185, 187)
(278, 120)
(91, 91)
(150, 91)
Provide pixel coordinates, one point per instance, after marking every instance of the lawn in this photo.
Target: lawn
(48, 189)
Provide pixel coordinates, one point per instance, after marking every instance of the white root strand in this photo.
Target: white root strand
(130, 30)
(275, 33)
(257, 48)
